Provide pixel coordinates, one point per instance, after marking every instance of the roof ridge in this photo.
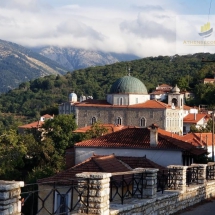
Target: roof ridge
(162, 103)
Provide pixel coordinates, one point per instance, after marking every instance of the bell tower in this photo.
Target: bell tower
(175, 99)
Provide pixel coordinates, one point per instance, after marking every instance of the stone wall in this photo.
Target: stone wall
(167, 203)
(130, 116)
(10, 202)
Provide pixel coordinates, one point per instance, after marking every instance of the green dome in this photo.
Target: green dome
(128, 84)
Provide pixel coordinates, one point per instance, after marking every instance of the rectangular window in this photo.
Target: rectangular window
(151, 114)
(62, 203)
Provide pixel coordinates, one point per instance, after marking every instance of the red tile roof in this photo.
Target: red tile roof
(143, 162)
(209, 79)
(199, 139)
(139, 138)
(190, 138)
(194, 118)
(47, 116)
(93, 102)
(37, 124)
(186, 107)
(110, 127)
(151, 104)
(164, 85)
(103, 163)
(95, 163)
(104, 103)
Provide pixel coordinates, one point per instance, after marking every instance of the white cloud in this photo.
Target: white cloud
(142, 29)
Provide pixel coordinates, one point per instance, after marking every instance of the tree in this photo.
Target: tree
(60, 130)
(96, 130)
(12, 151)
(41, 156)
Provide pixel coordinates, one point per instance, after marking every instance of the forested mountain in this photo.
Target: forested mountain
(44, 94)
(73, 59)
(19, 64)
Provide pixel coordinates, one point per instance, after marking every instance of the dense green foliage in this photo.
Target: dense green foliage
(37, 153)
(44, 94)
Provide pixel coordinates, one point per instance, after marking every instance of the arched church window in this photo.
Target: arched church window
(181, 102)
(143, 122)
(119, 121)
(93, 120)
(121, 101)
(175, 102)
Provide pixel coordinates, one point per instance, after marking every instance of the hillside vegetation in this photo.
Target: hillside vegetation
(44, 94)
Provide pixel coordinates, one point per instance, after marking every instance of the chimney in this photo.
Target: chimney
(153, 135)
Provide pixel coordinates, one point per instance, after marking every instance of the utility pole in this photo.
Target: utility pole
(213, 136)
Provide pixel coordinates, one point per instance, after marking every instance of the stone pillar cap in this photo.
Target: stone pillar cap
(94, 175)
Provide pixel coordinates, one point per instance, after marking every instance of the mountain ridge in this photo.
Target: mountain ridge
(74, 59)
(19, 64)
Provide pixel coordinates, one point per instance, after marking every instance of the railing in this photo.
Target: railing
(192, 175)
(127, 186)
(162, 181)
(57, 198)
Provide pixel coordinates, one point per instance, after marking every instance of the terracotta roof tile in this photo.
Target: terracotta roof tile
(93, 102)
(104, 103)
(194, 118)
(47, 116)
(143, 162)
(111, 128)
(37, 124)
(186, 107)
(95, 163)
(110, 164)
(151, 104)
(199, 139)
(137, 138)
(209, 79)
(102, 163)
(164, 85)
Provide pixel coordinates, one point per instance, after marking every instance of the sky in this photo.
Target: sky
(140, 27)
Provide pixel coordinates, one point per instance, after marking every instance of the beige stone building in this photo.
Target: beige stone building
(128, 103)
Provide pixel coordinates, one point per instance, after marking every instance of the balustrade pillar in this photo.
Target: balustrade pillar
(10, 197)
(150, 188)
(201, 177)
(210, 171)
(96, 191)
(177, 177)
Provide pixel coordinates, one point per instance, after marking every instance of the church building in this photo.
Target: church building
(128, 103)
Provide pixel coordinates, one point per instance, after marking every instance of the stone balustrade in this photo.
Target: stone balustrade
(10, 197)
(143, 198)
(95, 187)
(201, 172)
(98, 195)
(177, 177)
